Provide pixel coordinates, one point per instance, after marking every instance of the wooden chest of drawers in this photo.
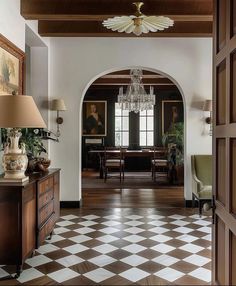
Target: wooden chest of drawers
(28, 214)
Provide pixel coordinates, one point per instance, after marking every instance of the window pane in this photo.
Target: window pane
(150, 112)
(150, 123)
(125, 112)
(150, 139)
(142, 122)
(125, 139)
(117, 109)
(125, 123)
(117, 138)
(143, 113)
(142, 138)
(118, 123)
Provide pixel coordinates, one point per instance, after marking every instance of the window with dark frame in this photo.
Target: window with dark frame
(146, 128)
(121, 126)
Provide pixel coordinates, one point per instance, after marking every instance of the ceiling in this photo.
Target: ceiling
(83, 18)
(122, 78)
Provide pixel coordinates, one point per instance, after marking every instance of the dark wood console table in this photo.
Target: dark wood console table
(28, 213)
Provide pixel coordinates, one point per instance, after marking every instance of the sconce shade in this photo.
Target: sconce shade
(19, 111)
(58, 105)
(207, 105)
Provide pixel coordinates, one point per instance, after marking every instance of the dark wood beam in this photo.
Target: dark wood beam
(200, 10)
(95, 29)
(126, 81)
(112, 87)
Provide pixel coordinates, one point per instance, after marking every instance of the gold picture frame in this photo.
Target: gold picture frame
(11, 68)
(172, 111)
(95, 118)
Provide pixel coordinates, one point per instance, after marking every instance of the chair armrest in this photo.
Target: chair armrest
(199, 183)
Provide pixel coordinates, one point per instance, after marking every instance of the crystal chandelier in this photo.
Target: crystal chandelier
(136, 98)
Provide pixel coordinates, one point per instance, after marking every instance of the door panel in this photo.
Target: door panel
(224, 142)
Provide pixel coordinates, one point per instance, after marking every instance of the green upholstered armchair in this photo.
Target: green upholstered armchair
(202, 179)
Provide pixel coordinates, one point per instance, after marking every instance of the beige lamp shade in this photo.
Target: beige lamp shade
(207, 105)
(58, 105)
(19, 111)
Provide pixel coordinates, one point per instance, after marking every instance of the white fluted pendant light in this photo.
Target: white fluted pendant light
(138, 23)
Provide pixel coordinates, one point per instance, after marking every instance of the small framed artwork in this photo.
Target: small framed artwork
(172, 112)
(11, 68)
(95, 118)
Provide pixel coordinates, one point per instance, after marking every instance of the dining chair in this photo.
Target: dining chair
(160, 164)
(114, 160)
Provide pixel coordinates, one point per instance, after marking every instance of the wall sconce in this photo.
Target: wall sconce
(58, 105)
(208, 108)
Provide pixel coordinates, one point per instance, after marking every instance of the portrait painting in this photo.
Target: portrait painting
(94, 118)
(11, 68)
(172, 112)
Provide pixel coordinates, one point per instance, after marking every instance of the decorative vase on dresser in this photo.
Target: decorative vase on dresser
(28, 213)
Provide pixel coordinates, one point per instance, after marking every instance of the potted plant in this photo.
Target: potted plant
(32, 140)
(174, 140)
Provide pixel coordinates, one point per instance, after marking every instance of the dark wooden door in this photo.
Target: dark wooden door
(224, 142)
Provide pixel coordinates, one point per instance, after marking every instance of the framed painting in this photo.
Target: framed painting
(95, 118)
(172, 112)
(11, 68)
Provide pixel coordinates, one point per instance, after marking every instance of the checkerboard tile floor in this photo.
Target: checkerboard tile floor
(123, 247)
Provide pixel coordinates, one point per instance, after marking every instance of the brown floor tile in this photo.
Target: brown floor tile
(49, 267)
(119, 254)
(57, 254)
(189, 280)
(179, 253)
(149, 253)
(88, 254)
(150, 267)
(83, 267)
(184, 266)
(80, 280)
(117, 267)
(153, 280)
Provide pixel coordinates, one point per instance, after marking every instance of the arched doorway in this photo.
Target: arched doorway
(103, 90)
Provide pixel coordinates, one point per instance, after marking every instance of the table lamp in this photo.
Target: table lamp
(16, 112)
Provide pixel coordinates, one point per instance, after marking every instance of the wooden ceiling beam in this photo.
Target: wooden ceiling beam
(126, 81)
(95, 29)
(102, 9)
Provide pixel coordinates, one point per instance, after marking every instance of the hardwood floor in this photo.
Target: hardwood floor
(138, 190)
(133, 198)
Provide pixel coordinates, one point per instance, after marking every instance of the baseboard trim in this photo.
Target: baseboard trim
(70, 204)
(189, 204)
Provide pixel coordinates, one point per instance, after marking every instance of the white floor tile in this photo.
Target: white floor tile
(165, 260)
(207, 237)
(155, 216)
(134, 238)
(202, 222)
(47, 248)
(205, 229)
(3, 273)
(109, 230)
(133, 223)
(105, 248)
(107, 238)
(159, 229)
(201, 273)
(134, 260)
(180, 222)
(77, 248)
(60, 230)
(161, 238)
(183, 229)
(55, 238)
(69, 217)
(88, 223)
(163, 248)
(111, 223)
(169, 274)
(177, 216)
(157, 222)
(134, 217)
(102, 260)
(84, 230)
(69, 261)
(80, 238)
(99, 275)
(112, 217)
(134, 248)
(197, 260)
(63, 275)
(134, 274)
(90, 217)
(187, 238)
(65, 223)
(29, 274)
(192, 248)
(134, 230)
(38, 260)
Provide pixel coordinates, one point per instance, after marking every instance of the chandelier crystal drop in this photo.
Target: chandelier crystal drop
(138, 23)
(136, 98)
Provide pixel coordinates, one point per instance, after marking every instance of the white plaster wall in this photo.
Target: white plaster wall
(76, 62)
